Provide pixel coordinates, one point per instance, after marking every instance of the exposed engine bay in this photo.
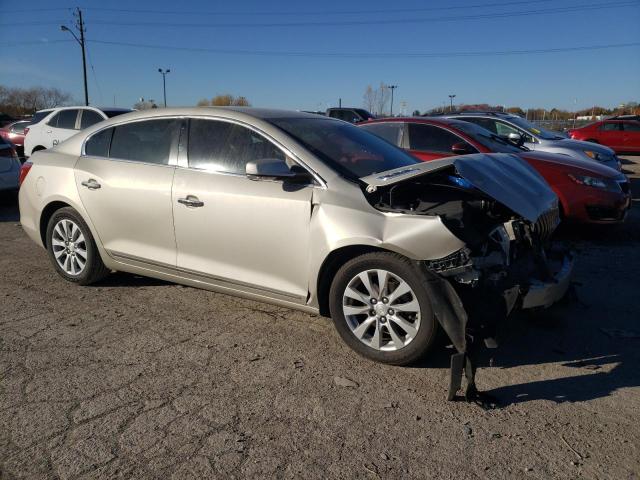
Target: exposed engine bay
(508, 261)
(503, 250)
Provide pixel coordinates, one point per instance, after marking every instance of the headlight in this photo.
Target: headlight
(592, 154)
(594, 182)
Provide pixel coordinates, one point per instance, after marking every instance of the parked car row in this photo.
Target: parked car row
(588, 190)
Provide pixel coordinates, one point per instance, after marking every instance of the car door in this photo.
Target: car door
(124, 178)
(631, 136)
(610, 134)
(249, 234)
(429, 142)
(60, 127)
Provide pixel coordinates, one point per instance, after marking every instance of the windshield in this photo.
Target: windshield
(538, 131)
(493, 142)
(349, 150)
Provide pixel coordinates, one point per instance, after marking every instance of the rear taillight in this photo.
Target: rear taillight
(24, 170)
(26, 130)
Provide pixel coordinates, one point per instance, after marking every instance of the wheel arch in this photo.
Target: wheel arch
(332, 264)
(47, 213)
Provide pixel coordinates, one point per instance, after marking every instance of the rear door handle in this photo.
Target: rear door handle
(91, 184)
(191, 201)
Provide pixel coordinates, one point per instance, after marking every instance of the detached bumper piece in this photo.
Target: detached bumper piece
(544, 294)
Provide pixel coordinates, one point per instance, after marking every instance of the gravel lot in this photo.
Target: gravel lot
(137, 378)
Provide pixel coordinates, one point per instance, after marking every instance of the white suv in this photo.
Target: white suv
(58, 124)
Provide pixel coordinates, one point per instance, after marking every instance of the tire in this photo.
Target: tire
(78, 261)
(358, 330)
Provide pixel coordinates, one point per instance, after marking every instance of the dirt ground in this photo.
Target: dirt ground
(137, 378)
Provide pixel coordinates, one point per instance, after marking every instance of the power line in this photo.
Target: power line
(451, 18)
(456, 18)
(320, 12)
(370, 55)
(32, 42)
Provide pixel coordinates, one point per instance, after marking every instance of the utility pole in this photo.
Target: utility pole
(340, 103)
(81, 30)
(392, 88)
(164, 84)
(451, 97)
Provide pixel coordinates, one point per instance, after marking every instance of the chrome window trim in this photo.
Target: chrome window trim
(178, 161)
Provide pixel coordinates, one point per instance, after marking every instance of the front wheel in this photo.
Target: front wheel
(72, 249)
(381, 309)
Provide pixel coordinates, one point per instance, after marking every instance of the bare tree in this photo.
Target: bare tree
(370, 98)
(242, 102)
(224, 101)
(382, 99)
(24, 101)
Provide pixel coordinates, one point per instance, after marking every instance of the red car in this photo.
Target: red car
(588, 191)
(14, 133)
(621, 135)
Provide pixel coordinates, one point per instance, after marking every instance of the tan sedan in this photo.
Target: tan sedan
(302, 211)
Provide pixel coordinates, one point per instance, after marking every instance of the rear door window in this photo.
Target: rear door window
(226, 147)
(610, 126)
(485, 123)
(148, 141)
(98, 144)
(430, 138)
(89, 117)
(64, 119)
(391, 132)
(631, 126)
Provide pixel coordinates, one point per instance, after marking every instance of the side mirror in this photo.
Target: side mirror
(516, 138)
(460, 148)
(274, 168)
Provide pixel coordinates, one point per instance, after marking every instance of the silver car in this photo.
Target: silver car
(539, 139)
(302, 211)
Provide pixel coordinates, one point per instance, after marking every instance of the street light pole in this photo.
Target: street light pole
(81, 29)
(392, 88)
(164, 84)
(451, 97)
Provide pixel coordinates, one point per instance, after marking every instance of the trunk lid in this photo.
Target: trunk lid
(505, 177)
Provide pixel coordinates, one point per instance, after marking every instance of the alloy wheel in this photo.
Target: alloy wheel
(381, 310)
(69, 247)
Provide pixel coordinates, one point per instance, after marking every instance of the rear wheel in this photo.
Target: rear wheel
(72, 249)
(381, 309)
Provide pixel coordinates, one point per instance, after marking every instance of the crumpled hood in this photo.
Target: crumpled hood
(505, 177)
(579, 145)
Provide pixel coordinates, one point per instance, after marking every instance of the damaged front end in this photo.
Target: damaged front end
(505, 213)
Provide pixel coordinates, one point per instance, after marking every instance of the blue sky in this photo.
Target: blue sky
(31, 52)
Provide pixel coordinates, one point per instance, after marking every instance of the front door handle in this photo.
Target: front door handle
(91, 184)
(191, 201)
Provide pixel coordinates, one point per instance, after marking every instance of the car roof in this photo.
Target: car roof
(232, 112)
(426, 120)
